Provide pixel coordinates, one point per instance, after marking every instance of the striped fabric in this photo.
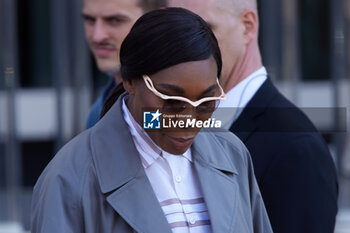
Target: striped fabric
(174, 181)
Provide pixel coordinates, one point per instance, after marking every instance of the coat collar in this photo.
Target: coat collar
(246, 123)
(123, 180)
(111, 143)
(121, 176)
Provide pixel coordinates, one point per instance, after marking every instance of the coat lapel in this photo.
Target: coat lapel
(216, 173)
(121, 176)
(136, 203)
(246, 123)
(244, 126)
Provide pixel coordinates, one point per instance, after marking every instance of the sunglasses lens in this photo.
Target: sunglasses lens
(208, 106)
(177, 106)
(174, 106)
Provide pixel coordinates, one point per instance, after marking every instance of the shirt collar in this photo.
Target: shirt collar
(238, 97)
(234, 96)
(187, 155)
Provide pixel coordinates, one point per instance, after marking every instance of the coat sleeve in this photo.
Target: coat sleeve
(261, 222)
(55, 201)
(305, 200)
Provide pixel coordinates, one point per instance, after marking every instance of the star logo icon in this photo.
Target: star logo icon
(156, 115)
(151, 119)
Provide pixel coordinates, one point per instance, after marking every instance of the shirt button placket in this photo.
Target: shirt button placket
(192, 221)
(178, 179)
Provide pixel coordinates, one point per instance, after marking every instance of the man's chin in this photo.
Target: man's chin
(109, 69)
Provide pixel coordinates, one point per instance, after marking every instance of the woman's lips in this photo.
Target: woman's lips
(181, 143)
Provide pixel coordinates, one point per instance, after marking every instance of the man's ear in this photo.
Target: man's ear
(130, 86)
(250, 21)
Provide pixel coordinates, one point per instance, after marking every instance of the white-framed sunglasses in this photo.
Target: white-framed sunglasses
(176, 104)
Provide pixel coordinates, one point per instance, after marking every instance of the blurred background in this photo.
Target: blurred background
(48, 81)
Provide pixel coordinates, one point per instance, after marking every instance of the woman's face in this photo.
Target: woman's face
(193, 80)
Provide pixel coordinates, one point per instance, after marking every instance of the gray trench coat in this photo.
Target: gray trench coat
(96, 184)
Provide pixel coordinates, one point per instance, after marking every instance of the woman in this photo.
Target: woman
(116, 177)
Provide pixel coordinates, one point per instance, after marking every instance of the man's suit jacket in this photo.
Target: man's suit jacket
(292, 163)
(97, 184)
(97, 106)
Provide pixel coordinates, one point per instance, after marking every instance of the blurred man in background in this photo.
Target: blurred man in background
(292, 163)
(107, 22)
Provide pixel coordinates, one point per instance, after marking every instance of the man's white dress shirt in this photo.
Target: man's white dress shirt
(238, 97)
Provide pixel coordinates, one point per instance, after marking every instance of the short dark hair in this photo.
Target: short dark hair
(166, 37)
(148, 5)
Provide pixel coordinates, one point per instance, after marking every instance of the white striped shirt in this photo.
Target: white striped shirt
(174, 182)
